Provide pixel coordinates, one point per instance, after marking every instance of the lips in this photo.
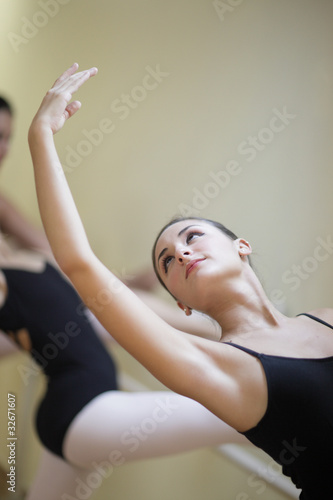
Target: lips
(191, 265)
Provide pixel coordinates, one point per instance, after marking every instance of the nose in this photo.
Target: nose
(182, 255)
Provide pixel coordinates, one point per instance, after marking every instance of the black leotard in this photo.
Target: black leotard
(297, 428)
(77, 365)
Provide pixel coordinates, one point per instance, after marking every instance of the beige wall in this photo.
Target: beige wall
(227, 76)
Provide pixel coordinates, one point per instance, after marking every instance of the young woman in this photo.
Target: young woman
(85, 423)
(268, 377)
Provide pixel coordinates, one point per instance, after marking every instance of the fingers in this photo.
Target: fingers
(74, 82)
(56, 108)
(70, 81)
(72, 108)
(68, 72)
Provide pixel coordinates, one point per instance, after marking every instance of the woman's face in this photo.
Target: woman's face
(5, 133)
(192, 257)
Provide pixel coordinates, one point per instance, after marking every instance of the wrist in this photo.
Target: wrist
(39, 130)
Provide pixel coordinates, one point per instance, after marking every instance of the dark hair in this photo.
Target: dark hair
(173, 221)
(4, 104)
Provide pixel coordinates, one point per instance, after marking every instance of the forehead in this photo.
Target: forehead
(176, 230)
(177, 227)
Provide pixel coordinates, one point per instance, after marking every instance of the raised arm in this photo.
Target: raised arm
(60, 218)
(172, 356)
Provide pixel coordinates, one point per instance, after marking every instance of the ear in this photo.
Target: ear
(187, 310)
(244, 247)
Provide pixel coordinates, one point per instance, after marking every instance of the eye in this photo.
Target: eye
(165, 263)
(192, 236)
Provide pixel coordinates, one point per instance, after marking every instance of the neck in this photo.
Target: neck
(242, 307)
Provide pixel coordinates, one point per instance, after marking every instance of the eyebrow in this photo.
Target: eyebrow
(179, 234)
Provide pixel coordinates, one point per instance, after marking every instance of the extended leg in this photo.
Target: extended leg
(56, 479)
(119, 427)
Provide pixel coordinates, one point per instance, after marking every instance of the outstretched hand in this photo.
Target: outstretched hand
(56, 107)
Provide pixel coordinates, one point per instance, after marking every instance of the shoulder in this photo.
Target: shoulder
(227, 381)
(326, 314)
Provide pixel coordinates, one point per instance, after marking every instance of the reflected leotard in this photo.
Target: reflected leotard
(297, 428)
(77, 365)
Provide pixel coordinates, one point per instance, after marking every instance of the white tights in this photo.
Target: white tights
(118, 427)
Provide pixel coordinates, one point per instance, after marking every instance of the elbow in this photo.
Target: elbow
(72, 267)
(71, 256)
